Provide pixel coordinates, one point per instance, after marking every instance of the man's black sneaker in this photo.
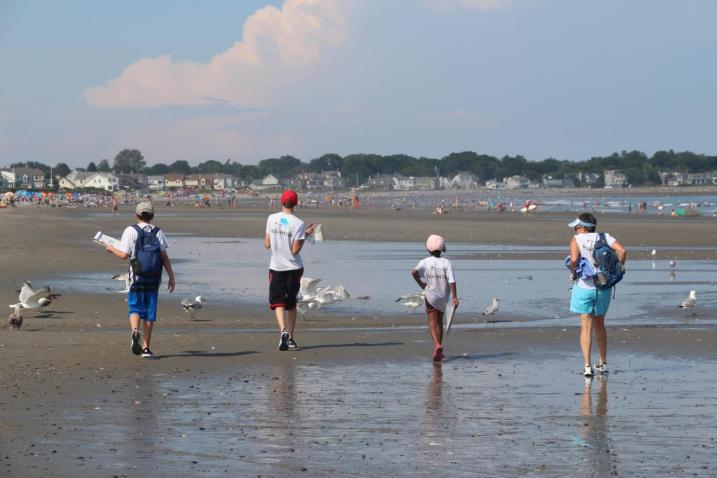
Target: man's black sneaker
(136, 343)
(284, 341)
(292, 344)
(146, 353)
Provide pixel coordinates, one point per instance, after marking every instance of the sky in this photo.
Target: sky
(248, 80)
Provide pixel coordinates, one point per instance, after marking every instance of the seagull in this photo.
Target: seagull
(15, 320)
(673, 264)
(412, 300)
(312, 297)
(35, 299)
(492, 308)
(125, 278)
(654, 253)
(690, 302)
(190, 306)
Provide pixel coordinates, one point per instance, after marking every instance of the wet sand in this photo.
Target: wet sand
(222, 401)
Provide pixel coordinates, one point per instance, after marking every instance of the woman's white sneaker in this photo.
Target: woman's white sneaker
(588, 371)
(601, 367)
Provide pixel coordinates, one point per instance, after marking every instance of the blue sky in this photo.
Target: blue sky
(80, 80)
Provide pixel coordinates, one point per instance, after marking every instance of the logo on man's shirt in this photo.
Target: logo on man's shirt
(284, 221)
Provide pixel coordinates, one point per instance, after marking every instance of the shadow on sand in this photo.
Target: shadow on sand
(355, 344)
(203, 353)
(479, 356)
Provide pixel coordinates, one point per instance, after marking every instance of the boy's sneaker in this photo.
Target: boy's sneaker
(292, 344)
(146, 353)
(136, 343)
(588, 373)
(438, 354)
(284, 341)
(601, 367)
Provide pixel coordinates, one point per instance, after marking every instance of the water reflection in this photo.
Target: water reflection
(598, 458)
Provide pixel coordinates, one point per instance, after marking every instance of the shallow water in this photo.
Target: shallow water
(490, 415)
(533, 291)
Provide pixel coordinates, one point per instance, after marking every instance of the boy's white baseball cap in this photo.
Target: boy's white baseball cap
(144, 207)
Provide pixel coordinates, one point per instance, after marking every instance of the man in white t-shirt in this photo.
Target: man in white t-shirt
(586, 299)
(285, 235)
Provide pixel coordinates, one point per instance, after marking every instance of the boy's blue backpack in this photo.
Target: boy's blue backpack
(609, 269)
(147, 261)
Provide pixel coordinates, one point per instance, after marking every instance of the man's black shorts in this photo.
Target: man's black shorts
(284, 288)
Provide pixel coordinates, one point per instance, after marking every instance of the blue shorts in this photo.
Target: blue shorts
(590, 301)
(143, 302)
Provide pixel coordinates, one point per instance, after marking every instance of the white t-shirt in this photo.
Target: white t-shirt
(586, 244)
(129, 239)
(437, 273)
(283, 230)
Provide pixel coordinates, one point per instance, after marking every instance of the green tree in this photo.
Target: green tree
(129, 161)
(180, 167)
(104, 166)
(157, 169)
(92, 167)
(61, 170)
(326, 162)
(210, 167)
(282, 167)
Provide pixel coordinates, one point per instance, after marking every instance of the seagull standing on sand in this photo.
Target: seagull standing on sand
(190, 306)
(412, 300)
(690, 302)
(15, 320)
(492, 308)
(673, 264)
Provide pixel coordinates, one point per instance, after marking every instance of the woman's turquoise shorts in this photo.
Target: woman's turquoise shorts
(590, 301)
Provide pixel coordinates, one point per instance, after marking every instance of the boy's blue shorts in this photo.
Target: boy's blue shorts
(143, 302)
(590, 301)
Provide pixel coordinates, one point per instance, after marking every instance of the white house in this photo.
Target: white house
(614, 179)
(84, 179)
(155, 183)
(516, 182)
(412, 183)
(222, 182)
(494, 184)
(463, 181)
(174, 181)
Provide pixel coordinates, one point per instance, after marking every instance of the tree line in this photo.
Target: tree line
(639, 168)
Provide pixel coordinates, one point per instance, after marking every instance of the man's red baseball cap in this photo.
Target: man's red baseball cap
(289, 196)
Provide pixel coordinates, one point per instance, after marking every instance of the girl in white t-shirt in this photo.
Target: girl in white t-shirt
(434, 275)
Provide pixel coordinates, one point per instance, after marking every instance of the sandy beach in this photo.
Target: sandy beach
(221, 401)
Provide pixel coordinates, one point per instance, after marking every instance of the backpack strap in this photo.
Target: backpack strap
(139, 236)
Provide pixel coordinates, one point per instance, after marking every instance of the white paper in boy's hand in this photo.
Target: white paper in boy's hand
(317, 235)
(106, 240)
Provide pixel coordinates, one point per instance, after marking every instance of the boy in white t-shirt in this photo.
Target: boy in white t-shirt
(434, 275)
(144, 288)
(285, 236)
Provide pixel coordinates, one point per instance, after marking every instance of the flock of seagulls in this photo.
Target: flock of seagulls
(312, 297)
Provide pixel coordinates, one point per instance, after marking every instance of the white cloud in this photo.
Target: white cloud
(277, 47)
(472, 4)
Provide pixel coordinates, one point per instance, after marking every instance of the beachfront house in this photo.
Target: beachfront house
(155, 183)
(267, 183)
(223, 182)
(333, 180)
(494, 184)
(23, 178)
(673, 178)
(551, 182)
(516, 182)
(614, 179)
(174, 181)
(79, 179)
(381, 181)
(136, 181)
(199, 182)
(306, 181)
(463, 181)
(413, 183)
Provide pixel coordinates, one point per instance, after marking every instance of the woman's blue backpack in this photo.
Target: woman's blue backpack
(147, 261)
(609, 269)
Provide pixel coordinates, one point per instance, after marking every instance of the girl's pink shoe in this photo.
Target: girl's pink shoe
(438, 354)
